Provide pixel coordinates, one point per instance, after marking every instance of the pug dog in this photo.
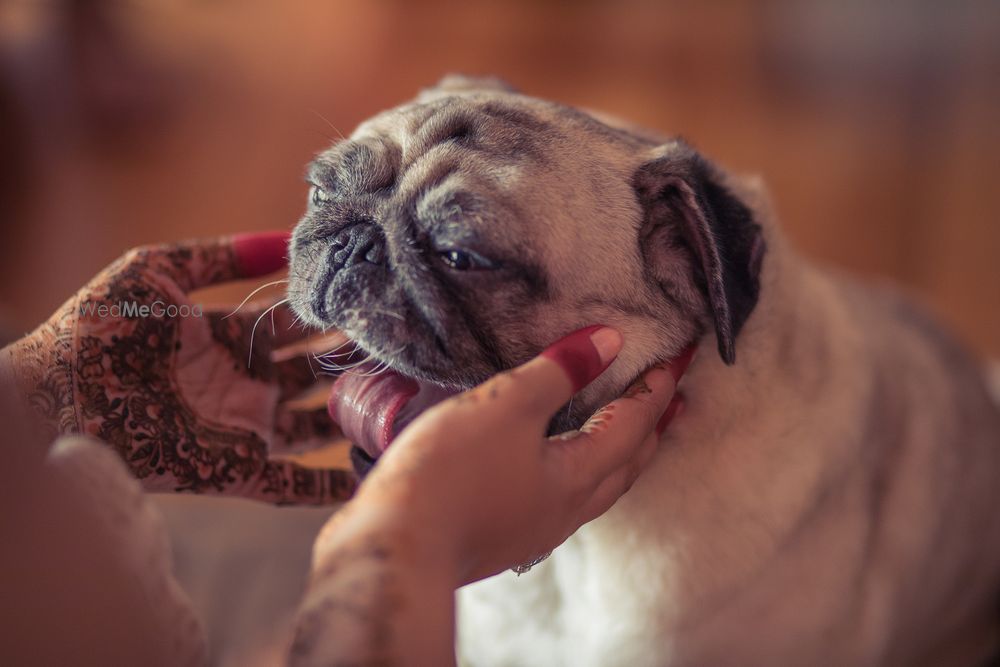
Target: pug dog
(830, 494)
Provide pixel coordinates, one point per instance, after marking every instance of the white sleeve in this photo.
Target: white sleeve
(93, 476)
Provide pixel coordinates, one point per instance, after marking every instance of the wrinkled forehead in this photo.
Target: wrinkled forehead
(494, 145)
(502, 138)
(423, 143)
(504, 125)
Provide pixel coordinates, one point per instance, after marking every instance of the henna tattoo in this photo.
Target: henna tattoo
(470, 397)
(351, 604)
(637, 388)
(600, 421)
(39, 367)
(296, 430)
(489, 390)
(166, 393)
(233, 334)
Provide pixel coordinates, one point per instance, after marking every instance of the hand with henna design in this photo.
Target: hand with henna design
(470, 488)
(190, 399)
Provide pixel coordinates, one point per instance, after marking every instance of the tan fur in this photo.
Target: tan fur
(830, 499)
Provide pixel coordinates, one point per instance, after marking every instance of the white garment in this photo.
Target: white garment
(224, 575)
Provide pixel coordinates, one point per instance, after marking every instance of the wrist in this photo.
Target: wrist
(412, 539)
(373, 571)
(38, 368)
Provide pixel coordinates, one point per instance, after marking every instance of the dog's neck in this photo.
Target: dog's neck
(790, 288)
(794, 356)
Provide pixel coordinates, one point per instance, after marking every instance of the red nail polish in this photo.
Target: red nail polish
(579, 357)
(675, 407)
(260, 253)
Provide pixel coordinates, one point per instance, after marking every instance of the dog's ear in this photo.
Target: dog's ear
(687, 205)
(460, 83)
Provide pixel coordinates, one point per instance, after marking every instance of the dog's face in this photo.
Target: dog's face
(458, 235)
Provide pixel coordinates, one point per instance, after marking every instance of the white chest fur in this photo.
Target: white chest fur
(584, 606)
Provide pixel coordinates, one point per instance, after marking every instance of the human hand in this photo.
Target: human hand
(470, 488)
(181, 397)
(476, 476)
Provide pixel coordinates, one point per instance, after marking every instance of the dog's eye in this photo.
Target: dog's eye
(465, 260)
(318, 195)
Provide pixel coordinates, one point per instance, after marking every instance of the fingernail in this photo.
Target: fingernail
(675, 407)
(608, 344)
(680, 363)
(585, 353)
(260, 253)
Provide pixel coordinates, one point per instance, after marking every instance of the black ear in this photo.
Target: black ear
(686, 202)
(460, 83)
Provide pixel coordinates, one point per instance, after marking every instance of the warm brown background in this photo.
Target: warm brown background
(129, 122)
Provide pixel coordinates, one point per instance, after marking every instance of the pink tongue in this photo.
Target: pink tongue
(372, 410)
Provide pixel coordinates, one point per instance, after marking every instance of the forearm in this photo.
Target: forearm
(377, 595)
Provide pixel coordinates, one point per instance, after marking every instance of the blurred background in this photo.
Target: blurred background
(125, 122)
(874, 124)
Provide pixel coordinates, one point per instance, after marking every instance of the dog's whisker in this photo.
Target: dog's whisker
(254, 293)
(359, 313)
(384, 364)
(388, 313)
(253, 331)
(332, 360)
(335, 361)
(333, 366)
(325, 120)
(334, 351)
(376, 370)
(311, 369)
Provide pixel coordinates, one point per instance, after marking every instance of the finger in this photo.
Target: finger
(541, 386)
(249, 351)
(253, 353)
(675, 407)
(618, 483)
(198, 263)
(295, 376)
(275, 317)
(297, 431)
(287, 483)
(251, 339)
(614, 433)
(260, 253)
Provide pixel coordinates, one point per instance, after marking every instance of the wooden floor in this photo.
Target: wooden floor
(876, 128)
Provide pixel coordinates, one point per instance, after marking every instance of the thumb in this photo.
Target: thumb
(544, 384)
(197, 263)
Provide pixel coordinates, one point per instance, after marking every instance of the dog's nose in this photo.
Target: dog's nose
(358, 243)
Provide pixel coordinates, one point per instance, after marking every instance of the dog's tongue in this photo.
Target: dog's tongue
(372, 409)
